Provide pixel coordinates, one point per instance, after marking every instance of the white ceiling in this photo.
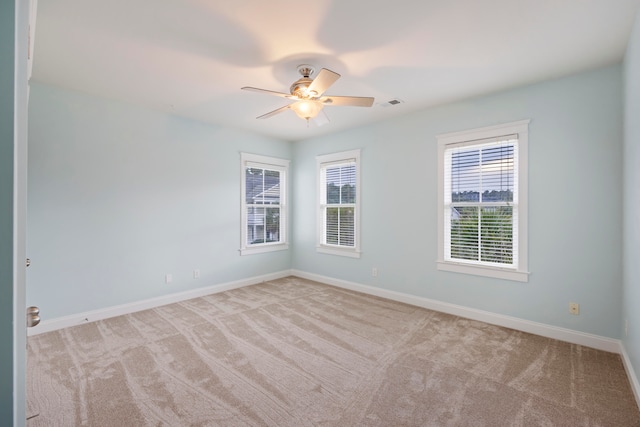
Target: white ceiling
(191, 57)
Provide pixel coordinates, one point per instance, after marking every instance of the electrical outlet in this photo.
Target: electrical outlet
(626, 328)
(168, 278)
(574, 308)
(196, 274)
(374, 271)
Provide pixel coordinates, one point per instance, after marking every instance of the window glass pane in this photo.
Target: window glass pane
(486, 172)
(497, 173)
(271, 191)
(465, 176)
(464, 233)
(263, 225)
(262, 186)
(496, 234)
(255, 225)
(340, 226)
(333, 193)
(254, 179)
(332, 221)
(272, 220)
(341, 184)
(347, 227)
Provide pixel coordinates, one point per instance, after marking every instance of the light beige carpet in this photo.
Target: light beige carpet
(297, 353)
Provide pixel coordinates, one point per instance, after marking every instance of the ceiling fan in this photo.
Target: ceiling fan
(309, 97)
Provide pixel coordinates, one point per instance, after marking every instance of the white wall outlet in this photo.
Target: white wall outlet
(196, 274)
(626, 328)
(574, 308)
(374, 272)
(168, 278)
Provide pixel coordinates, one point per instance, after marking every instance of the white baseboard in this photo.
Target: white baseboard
(633, 378)
(92, 316)
(555, 332)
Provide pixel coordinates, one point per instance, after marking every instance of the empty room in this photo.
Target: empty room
(335, 213)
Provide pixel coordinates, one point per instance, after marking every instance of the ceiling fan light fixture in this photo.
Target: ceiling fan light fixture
(307, 109)
(307, 94)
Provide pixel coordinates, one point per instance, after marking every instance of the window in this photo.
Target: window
(482, 199)
(264, 208)
(339, 203)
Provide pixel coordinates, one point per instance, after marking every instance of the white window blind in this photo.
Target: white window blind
(339, 205)
(481, 202)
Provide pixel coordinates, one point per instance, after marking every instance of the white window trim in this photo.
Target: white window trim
(272, 163)
(335, 249)
(520, 273)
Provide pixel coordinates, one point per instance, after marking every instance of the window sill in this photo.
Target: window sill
(497, 273)
(348, 252)
(264, 248)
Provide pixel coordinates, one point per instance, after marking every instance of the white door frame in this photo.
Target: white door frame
(20, 211)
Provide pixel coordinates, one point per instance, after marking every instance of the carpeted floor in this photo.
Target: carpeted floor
(297, 353)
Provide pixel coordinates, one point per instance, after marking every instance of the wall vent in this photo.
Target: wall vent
(391, 103)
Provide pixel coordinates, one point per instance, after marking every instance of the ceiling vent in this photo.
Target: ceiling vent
(391, 103)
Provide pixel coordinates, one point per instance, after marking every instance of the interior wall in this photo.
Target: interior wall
(119, 196)
(631, 290)
(575, 199)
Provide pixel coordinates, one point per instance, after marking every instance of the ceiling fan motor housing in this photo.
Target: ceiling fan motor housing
(300, 86)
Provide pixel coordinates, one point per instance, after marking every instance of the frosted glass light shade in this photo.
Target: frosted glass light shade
(307, 109)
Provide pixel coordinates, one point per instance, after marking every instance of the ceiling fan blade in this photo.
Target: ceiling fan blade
(274, 112)
(321, 119)
(323, 81)
(269, 92)
(350, 101)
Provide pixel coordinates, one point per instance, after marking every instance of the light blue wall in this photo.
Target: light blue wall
(7, 44)
(575, 199)
(119, 196)
(631, 290)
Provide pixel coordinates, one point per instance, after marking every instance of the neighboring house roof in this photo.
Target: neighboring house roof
(262, 188)
(272, 193)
